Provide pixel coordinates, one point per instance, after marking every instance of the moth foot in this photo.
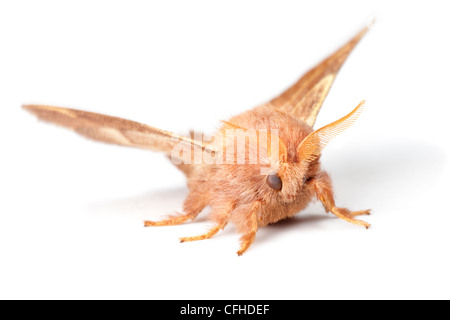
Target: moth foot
(360, 213)
(246, 242)
(204, 236)
(348, 216)
(171, 221)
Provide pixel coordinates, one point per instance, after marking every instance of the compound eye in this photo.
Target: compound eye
(274, 181)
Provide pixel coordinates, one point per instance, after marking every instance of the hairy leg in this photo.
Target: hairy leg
(324, 191)
(248, 226)
(220, 215)
(193, 205)
(207, 235)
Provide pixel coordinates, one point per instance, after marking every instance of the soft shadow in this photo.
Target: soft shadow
(378, 175)
(385, 173)
(151, 205)
(297, 223)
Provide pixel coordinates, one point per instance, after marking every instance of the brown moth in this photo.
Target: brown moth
(274, 173)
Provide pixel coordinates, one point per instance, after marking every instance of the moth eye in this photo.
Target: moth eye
(274, 181)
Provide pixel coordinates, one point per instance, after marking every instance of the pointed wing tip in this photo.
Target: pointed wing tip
(367, 26)
(40, 109)
(32, 108)
(28, 107)
(35, 108)
(56, 115)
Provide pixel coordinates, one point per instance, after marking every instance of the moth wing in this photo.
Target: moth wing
(117, 131)
(304, 98)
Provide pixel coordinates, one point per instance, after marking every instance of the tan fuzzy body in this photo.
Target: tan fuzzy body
(220, 185)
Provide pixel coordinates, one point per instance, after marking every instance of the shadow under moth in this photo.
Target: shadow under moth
(261, 166)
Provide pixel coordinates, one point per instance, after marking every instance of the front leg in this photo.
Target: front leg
(324, 192)
(220, 215)
(248, 226)
(195, 202)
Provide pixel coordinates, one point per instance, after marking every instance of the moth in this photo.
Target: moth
(278, 172)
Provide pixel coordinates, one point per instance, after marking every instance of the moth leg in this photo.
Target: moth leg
(360, 213)
(220, 216)
(347, 215)
(246, 241)
(209, 234)
(193, 205)
(171, 220)
(324, 191)
(251, 225)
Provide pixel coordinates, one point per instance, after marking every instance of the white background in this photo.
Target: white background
(71, 210)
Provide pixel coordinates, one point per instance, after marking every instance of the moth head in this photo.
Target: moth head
(281, 177)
